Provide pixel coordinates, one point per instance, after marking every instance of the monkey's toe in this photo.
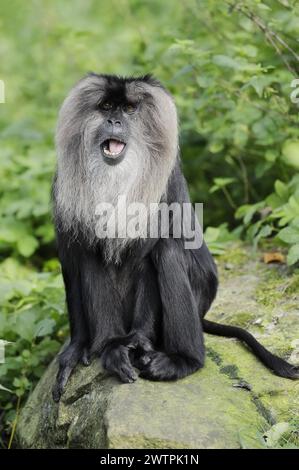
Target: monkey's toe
(163, 367)
(157, 367)
(127, 374)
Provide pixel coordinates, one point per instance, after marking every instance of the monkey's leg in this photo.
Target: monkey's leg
(106, 319)
(182, 332)
(76, 350)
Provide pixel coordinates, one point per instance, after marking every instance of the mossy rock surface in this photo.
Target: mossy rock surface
(232, 402)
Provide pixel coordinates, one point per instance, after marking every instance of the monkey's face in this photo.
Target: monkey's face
(115, 137)
(114, 119)
(117, 111)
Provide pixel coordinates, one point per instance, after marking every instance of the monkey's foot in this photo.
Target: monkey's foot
(115, 358)
(141, 352)
(160, 366)
(68, 360)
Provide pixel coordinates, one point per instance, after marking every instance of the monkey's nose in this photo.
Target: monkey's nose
(114, 122)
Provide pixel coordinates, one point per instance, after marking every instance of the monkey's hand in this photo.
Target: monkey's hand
(121, 354)
(115, 358)
(68, 360)
(141, 350)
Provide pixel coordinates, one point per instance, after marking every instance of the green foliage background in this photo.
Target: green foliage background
(231, 79)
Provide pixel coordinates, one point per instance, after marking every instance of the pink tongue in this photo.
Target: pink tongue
(115, 146)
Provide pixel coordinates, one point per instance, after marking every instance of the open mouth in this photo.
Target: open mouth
(112, 147)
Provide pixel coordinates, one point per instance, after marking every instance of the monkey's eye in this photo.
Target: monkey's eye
(107, 105)
(130, 108)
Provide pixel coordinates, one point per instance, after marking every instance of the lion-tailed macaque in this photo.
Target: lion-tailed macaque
(136, 302)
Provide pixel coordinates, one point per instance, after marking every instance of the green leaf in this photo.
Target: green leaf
(240, 136)
(226, 61)
(44, 327)
(221, 183)
(27, 245)
(289, 235)
(275, 433)
(216, 147)
(216, 248)
(247, 211)
(274, 201)
(271, 156)
(281, 189)
(293, 255)
(265, 231)
(211, 234)
(25, 324)
(11, 230)
(259, 83)
(263, 6)
(290, 153)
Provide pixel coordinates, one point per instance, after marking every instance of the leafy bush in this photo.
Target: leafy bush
(33, 323)
(278, 214)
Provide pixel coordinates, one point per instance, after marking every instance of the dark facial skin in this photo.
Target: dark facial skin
(117, 111)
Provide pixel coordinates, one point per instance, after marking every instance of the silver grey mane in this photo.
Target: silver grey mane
(84, 180)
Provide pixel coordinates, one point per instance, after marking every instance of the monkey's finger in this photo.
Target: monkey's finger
(56, 393)
(86, 358)
(127, 372)
(61, 381)
(145, 344)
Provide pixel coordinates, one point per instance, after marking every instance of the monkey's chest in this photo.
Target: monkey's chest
(123, 281)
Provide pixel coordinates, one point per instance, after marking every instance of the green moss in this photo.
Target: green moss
(289, 438)
(241, 319)
(263, 410)
(231, 371)
(268, 292)
(292, 437)
(283, 350)
(293, 285)
(214, 356)
(236, 256)
(277, 285)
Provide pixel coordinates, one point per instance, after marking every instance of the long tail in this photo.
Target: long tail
(278, 365)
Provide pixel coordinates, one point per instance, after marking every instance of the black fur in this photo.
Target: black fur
(146, 313)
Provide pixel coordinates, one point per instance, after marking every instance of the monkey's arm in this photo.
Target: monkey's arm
(182, 331)
(105, 315)
(146, 323)
(147, 300)
(69, 255)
